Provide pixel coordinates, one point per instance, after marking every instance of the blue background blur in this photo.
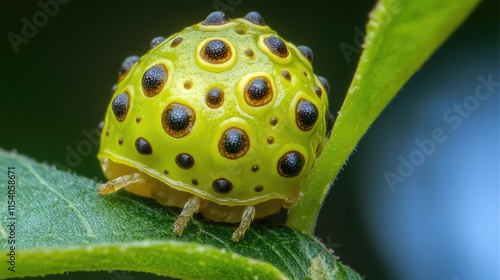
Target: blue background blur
(439, 222)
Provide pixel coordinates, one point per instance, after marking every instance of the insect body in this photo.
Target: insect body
(224, 118)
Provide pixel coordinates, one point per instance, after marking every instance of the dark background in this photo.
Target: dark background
(441, 223)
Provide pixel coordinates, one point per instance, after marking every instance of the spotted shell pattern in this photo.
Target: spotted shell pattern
(226, 110)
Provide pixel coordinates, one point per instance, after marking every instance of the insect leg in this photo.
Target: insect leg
(191, 206)
(246, 220)
(120, 182)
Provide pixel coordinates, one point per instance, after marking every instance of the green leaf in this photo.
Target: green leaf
(63, 225)
(400, 37)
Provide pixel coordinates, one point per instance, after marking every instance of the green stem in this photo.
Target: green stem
(401, 36)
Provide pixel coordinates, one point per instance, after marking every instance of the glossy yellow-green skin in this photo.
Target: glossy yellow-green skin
(185, 64)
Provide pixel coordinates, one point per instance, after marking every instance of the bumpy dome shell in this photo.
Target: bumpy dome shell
(225, 109)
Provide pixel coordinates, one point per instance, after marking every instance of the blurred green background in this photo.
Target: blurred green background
(57, 85)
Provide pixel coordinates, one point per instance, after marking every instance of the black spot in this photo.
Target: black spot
(143, 147)
(259, 188)
(127, 65)
(120, 141)
(184, 161)
(255, 168)
(194, 181)
(255, 18)
(120, 106)
(216, 51)
(214, 97)
(325, 83)
(286, 75)
(222, 186)
(188, 84)
(138, 119)
(215, 18)
(249, 53)
(277, 46)
(156, 41)
(176, 42)
(258, 92)
(273, 121)
(270, 140)
(153, 80)
(318, 91)
(177, 120)
(291, 164)
(234, 143)
(307, 52)
(306, 114)
(330, 120)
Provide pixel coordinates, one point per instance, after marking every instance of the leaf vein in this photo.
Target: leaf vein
(85, 222)
(283, 245)
(264, 240)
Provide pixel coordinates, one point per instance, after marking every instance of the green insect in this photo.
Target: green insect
(224, 118)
